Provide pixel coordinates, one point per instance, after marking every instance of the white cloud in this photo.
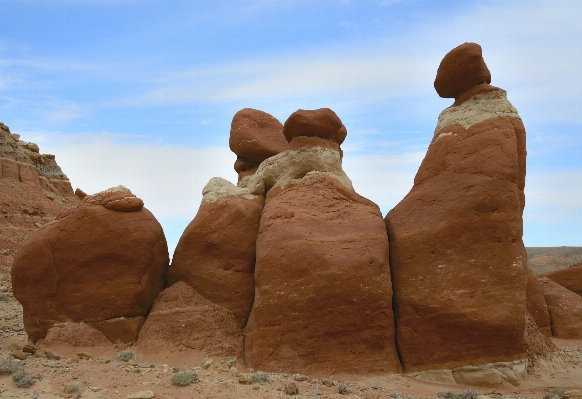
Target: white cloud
(168, 178)
(554, 197)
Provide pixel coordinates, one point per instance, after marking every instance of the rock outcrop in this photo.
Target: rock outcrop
(536, 303)
(322, 282)
(181, 319)
(216, 253)
(456, 252)
(571, 277)
(565, 309)
(95, 265)
(254, 137)
(33, 192)
(460, 70)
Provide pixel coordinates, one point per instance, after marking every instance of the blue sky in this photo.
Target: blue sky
(142, 93)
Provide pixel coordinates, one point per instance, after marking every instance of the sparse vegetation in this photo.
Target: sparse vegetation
(183, 378)
(260, 377)
(468, 394)
(8, 365)
(344, 388)
(23, 379)
(4, 298)
(127, 355)
(559, 392)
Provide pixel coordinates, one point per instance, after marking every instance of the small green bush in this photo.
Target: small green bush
(8, 365)
(183, 378)
(23, 379)
(4, 298)
(127, 355)
(260, 377)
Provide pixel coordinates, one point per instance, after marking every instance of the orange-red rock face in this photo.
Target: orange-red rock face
(182, 319)
(33, 192)
(254, 136)
(456, 253)
(216, 253)
(93, 265)
(536, 303)
(322, 123)
(461, 69)
(565, 309)
(323, 296)
(570, 277)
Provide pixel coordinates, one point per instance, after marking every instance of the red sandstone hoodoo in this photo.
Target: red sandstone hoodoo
(305, 269)
(323, 295)
(456, 253)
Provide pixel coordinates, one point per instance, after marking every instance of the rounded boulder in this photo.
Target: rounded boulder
(322, 122)
(256, 135)
(462, 68)
(94, 264)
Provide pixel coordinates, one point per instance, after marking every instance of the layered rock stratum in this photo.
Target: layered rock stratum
(33, 192)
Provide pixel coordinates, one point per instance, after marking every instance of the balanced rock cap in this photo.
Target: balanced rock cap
(256, 135)
(462, 68)
(322, 122)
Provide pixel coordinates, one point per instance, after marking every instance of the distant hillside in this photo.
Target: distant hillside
(546, 259)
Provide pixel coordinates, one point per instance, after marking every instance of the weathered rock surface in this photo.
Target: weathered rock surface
(571, 277)
(322, 283)
(322, 122)
(92, 265)
(461, 69)
(456, 253)
(33, 192)
(73, 334)
(307, 156)
(216, 253)
(536, 303)
(254, 136)
(565, 309)
(182, 319)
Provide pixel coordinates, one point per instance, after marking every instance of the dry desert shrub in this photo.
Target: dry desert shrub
(127, 355)
(448, 394)
(344, 388)
(183, 378)
(559, 392)
(260, 377)
(8, 365)
(23, 379)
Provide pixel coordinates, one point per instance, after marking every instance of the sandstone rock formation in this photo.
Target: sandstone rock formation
(536, 303)
(565, 309)
(456, 253)
(571, 277)
(254, 137)
(322, 282)
(33, 192)
(216, 253)
(323, 123)
(461, 69)
(181, 319)
(94, 265)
